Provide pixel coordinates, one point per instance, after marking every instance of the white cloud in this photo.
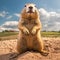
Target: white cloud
(1, 29)
(50, 20)
(9, 25)
(9, 17)
(44, 12)
(16, 14)
(3, 13)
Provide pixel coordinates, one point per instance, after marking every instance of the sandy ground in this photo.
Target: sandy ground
(8, 47)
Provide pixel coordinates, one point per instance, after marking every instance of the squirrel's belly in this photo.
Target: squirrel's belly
(30, 39)
(29, 26)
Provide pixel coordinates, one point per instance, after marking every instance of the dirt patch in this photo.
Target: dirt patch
(8, 47)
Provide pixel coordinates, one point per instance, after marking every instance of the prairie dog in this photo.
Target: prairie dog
(29, 30)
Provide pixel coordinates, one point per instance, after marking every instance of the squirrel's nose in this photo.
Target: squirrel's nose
(30, 7)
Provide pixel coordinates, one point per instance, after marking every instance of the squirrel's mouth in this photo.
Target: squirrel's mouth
(30, 11)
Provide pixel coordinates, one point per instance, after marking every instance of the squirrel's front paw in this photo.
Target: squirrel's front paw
(33, 31)
(26, 31)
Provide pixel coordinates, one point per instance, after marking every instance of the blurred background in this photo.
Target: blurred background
(49, 15)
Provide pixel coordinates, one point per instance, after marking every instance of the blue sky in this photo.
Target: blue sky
(9, 9)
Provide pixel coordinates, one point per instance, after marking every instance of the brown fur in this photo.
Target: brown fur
(29, 32)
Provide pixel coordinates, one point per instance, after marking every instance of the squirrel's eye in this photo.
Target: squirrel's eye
(25, 5)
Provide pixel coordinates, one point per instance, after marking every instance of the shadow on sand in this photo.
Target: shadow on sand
(18, 57)
(9, 55)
